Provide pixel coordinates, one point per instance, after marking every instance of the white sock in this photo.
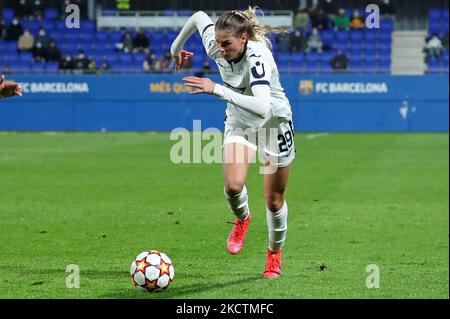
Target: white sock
(277, 225)
(238, 203)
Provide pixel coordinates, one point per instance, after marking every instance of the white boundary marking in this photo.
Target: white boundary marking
(312, 136)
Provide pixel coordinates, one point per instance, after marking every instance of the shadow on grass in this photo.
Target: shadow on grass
(180, 292)
(61, 271)
(174, 291)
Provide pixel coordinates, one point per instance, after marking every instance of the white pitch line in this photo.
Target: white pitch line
(311, 136)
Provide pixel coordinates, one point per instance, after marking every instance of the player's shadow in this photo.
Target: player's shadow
(177, 292)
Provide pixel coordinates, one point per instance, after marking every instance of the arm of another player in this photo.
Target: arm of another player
(9, 88)
(198, 21)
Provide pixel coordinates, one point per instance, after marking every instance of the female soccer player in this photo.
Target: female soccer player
(256, 104)
(9, 88)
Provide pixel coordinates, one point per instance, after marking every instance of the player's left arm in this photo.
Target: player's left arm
(259, 103)
(9, 88)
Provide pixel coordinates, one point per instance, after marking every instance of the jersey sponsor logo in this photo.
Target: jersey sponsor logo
(258, 71)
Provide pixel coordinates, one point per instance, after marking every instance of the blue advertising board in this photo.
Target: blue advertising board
(161, 103)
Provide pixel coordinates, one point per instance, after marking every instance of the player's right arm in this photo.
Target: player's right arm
(202, 23)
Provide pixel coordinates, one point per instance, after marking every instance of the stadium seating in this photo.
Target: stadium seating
(368, 50)
(438, 25)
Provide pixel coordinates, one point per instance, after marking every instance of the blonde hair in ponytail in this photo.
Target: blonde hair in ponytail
(240, 22)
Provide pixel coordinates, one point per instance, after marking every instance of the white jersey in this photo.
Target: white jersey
(256, 67)
(255, 71)
(254, 94)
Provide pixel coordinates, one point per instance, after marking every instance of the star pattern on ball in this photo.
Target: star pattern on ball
(150, 285)
(141, 265)
(164, 268)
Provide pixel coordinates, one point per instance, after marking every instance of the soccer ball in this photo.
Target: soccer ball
(152, 270)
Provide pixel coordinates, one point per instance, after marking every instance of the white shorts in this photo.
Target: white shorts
(274, 142)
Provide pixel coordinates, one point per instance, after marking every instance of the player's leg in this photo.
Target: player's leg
(276, 215)
(276, 206)
(236, 162)
(275, 182)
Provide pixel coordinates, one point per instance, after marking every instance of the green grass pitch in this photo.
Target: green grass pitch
(96, 200)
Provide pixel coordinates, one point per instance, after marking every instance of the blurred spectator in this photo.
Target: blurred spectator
(67, 64)
(22, 8)
(319, 20)
(26, 41)
(92, 67)
(104, 68)
(43, 38)
(149, 62)
(39, 52)
(386, 8)
(315, 41)
(126, 44)
(41, 45)
(53, 52)
(81, 62)
(298, 42)
(357, 21)
(301, 20)
(445, 41)
(341, 20)
(339, 61)
(329, 8)
(38, 9)
(166, 62)
(62, 7)
(140, 42)
(14, 30)
(157, 65)
(434, 47)
(3, 28)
